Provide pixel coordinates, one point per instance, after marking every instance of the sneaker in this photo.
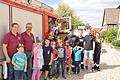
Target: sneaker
(64, 77)
(57, 76)
(50, 77)
(45, 79)
(98, 68)
(78, 73)
(82, 66)
(86, 67)
(95, 67)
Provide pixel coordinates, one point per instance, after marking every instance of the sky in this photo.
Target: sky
(90, 11)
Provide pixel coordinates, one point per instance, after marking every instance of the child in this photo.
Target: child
(19, 60)
(54, 62)
(68, 56)
(77, 50)
(38, 59)
(48, 57)
(61, 59)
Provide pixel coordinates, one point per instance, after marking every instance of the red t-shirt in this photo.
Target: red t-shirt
(12, 42)
(55, 53)
(68, 50)
(28, 41)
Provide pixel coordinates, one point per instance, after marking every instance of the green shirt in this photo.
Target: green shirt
(19, 59)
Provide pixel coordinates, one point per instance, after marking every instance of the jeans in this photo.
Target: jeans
(10, 69)
(61, 62)
(28, 74)
(77, 67)
(53, 69)
(18, 74)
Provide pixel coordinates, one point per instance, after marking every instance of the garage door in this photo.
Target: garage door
(4, 23)
(22, 17)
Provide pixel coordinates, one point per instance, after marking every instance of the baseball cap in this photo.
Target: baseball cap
(39, 39)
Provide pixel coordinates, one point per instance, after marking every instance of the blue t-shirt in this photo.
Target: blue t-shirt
(77, 53)
(19, 59)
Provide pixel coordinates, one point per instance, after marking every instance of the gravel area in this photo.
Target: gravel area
(110, 68)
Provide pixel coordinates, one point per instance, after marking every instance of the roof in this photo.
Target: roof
(111, 16)
(96, 29)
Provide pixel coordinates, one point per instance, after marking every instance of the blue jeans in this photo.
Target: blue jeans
(18, 74)
(28, 74)
(76, 67)
(10, 70)
(61, 62)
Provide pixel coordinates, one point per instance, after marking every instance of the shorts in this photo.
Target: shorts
(45, 68)
(88, 54)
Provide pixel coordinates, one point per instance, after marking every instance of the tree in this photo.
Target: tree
(64, 9)
(109, 35)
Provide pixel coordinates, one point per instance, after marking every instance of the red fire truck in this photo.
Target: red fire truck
(22, 12)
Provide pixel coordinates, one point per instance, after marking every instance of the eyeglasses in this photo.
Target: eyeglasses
(28, 27)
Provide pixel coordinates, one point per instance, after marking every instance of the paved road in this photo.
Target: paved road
(110, 67)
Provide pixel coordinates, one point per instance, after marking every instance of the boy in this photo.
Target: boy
(61, 59)
(54, 62)
(19, 60)
(48, 57)
(77, 50)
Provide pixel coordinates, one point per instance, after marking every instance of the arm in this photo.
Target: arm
(6, 53)
(93, 45)
(25, 70)
(64, 53)
(42, 58)
(51, 59)
(56, 51)
(70, 52)
(15, 64)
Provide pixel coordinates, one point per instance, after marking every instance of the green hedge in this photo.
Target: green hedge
(116, 43)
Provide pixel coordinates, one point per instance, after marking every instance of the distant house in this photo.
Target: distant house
(111, 17)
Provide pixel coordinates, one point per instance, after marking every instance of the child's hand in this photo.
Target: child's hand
(50, 63)
(17, 66)
(25, 70)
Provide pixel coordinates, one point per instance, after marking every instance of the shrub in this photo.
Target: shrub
(116, 43)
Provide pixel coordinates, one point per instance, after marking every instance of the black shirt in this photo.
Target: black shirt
(81, 40)
(72, 39)
(97, 43)
(89, 42)
(47, 54)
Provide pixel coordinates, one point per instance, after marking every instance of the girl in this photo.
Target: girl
(97, 52)
(38, 59)
(68, 56)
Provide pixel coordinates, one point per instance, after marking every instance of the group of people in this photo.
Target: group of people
(28, 56)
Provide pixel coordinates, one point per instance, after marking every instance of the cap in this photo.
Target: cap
(39, 39)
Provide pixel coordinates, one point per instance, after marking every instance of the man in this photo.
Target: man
(71, 38)
(28, 40)
(10, 43)
(89, 46)
(81, 40)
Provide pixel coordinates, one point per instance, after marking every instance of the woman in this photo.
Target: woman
(97, 51)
